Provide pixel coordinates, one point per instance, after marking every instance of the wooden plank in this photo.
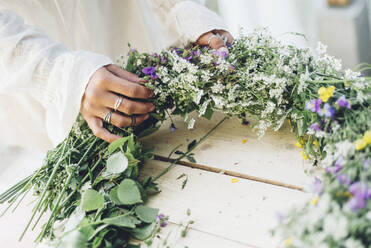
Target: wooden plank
(243, 211)
(236, 147)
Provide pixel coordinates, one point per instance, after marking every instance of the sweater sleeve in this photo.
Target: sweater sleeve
(33, 64)
(187, 19)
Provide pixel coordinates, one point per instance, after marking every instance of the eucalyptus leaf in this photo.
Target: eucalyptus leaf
(117, 163)
(146, 214)
(92, 200)
(128, 192)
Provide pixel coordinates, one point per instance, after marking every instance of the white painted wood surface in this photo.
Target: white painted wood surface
(242, 212)
(236, 147)
(226, 214)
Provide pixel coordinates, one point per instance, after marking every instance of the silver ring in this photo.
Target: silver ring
(107, 117)
(210, 38)
(133, 120)
(118, 103)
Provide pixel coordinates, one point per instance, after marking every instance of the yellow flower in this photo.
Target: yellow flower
(315, 143)
(367, 137)
(304, 155)
(298, 144)
(314, 201)
(322, 90)
(244, 141)
(288, 242)
(360, 144)
(325, 94)
(235, 180)
(331, 89)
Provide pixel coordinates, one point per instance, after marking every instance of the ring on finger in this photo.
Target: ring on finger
(118, 103)
(107, 117)
(133, 120)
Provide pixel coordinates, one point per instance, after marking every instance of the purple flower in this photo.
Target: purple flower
(343, 179)
(222, 54)
(229, 44)
(197, 53)
(367, 163)
(163, 60)
(132, 50)
(150, 71)
(155, 55)
(317, 186)
(315, 126)
(359, 189)
(172, 127)
(188, 58)
(313, 105)
(327, 111)
(161, 219)
(342, 102)
(338, 164)
(356, 203)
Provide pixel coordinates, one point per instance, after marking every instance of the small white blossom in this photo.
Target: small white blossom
(191, 123)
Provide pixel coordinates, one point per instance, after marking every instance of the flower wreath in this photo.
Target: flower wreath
(95, 188)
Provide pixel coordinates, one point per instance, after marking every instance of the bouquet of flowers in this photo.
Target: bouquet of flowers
(93, 189)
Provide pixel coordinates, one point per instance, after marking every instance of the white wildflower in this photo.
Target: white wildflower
(191, 123)
(206, 58)
(198, 96)
(204, 107)
(321, 48)
(217, 88)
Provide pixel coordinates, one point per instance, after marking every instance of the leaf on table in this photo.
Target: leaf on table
(117, 163)
(146, 214)
(128, 192)
(92, 200)
(143, 233)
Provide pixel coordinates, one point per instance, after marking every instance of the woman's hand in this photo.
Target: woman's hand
(214, 40)
(103, 92)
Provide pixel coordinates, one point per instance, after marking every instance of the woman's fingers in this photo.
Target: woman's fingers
(119, 72)
(120, 120)
(96, 125)
(127, 88)
(212, 40)
(229, 37)
(127, 106)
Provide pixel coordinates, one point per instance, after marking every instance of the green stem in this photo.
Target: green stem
(190, 150)
(57, 207)
(44, 191)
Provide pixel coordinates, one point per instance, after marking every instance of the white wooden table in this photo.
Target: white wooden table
(228, 211)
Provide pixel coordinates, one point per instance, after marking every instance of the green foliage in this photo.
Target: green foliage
(91, 200)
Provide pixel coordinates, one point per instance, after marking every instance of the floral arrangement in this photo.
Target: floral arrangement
(97, 198)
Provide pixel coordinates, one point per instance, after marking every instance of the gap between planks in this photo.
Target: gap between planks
(229, 173)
